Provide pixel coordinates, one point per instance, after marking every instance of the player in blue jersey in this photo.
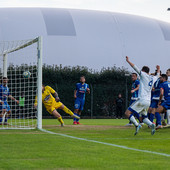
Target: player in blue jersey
(154, 103)
(4, 107)
(164, 91)
(134, 92)
(79, 94)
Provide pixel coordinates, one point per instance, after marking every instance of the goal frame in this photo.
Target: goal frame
(39, 42)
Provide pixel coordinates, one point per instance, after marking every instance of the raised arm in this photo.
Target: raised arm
(133, 65)
(12, 98)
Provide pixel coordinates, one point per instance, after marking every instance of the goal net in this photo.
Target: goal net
(18, 92)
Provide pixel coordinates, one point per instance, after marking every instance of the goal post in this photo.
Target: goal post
(16, 57)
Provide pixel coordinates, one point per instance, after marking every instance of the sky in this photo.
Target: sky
(149, 8)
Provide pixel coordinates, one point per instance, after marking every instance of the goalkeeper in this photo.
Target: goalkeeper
(52, 102)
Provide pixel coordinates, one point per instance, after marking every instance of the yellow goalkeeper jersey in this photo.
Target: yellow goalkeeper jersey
(47, 97)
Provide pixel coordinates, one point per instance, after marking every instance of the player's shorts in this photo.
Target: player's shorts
(140, 106)
(54, 106)
(132, 101)
(166, 105)
(79, 103)
(154, 103)
(5, 106)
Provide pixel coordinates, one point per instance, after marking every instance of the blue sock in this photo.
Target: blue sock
(158, 118)
(6, 119)
(151, 117)
(0, 119)
(77, 120)
(137, 116)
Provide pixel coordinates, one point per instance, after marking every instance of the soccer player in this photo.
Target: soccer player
(144, 96)
(168, 74)
(164, 91)
(154, 103)
(134, 92)
(79, 95)
(4, 106)
(53, 103)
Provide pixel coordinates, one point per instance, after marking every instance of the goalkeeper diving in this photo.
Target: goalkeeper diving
(52, 102)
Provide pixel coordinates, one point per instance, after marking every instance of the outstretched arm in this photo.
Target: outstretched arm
(133, 65)
(12, 98)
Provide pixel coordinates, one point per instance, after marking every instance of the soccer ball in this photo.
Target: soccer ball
(26, 74)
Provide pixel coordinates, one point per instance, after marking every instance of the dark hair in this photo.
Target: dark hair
(164, 76)
(168, 69)
(157, 73)
(3, 78)
(135, 74)
(82, 76)
(145, 69)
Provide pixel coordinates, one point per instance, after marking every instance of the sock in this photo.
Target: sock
(147, 121)
(6, 119)
(133, 120)
(77, 120)
(68, 111)
(137, 116)
(162, 116)
(60, 120)
(0, 119)
(151, 117)
(158, 118)
(168, 117)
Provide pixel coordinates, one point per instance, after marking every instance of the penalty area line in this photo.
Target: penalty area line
(105, 143)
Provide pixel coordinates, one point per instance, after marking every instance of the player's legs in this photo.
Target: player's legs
(129, 115)
(58, 116)
(158, 111)
(77, 106)
(2, 116)
(82, 102)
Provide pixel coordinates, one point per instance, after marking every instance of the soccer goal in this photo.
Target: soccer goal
(17, 59)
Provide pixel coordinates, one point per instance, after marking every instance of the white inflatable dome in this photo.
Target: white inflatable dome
(89, 38)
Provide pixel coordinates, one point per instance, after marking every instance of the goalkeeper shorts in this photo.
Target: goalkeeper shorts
(54, 106)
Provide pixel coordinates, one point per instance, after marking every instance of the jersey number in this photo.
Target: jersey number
(150, 83)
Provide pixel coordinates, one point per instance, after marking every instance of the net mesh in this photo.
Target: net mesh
(21, 56)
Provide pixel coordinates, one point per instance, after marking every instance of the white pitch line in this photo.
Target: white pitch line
(104, 143)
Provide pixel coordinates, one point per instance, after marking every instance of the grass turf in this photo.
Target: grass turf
(33, 149)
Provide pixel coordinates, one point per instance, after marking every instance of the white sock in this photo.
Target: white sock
(162, 116)
(133, 120)
(147, 121)
(168, 117)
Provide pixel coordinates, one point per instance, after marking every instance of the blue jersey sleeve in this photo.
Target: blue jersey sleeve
(137, 82)
(77, 86)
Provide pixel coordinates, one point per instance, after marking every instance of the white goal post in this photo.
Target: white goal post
(16, 57)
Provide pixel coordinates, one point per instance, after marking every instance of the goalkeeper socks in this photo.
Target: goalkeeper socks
(151, 117)
(133, 120)
(158, 118)
(60, 120)
(68, 111)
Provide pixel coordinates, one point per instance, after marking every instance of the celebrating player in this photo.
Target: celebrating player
(4, 106)
(134, 92)
(144, 96)
(79, 95)
(164, 91)
(168, 74)
(52, 103)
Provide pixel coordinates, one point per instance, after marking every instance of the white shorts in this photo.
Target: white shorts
(140, 106)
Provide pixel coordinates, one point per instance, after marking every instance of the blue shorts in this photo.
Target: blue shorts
(166, 105)
(79, 103)
(5, 106)
(154, 103)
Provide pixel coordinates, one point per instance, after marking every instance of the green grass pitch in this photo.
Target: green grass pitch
(33, 149)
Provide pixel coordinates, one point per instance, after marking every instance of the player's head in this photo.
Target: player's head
(163, 78)
(43, 87)
(146, 69)
(120, 95)
(134, 76)
(168, 72)
(4, 81)
(82, 79)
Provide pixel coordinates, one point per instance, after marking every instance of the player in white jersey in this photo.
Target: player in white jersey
(144, 97)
